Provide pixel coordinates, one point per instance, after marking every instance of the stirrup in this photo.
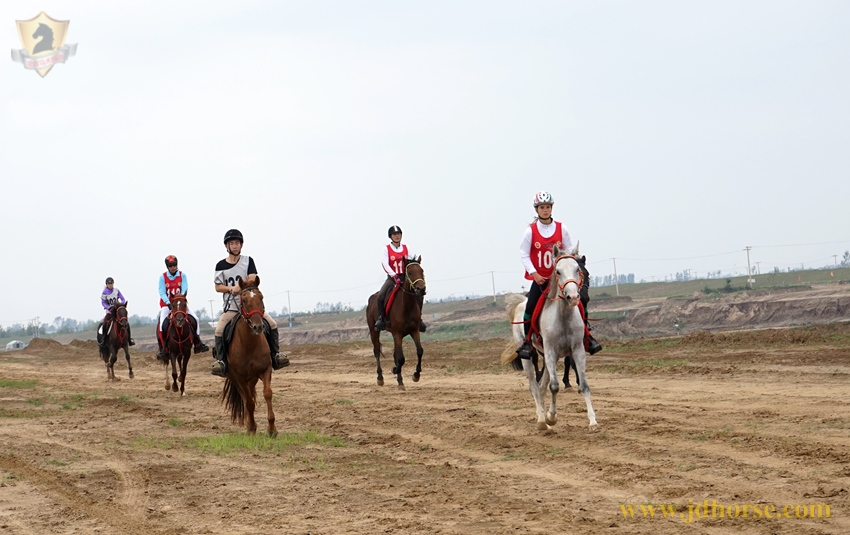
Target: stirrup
(525, 351)
(132, 342)
(593, 347)
(281, 360)
(162, 355)
(380, 325)
(219, 368)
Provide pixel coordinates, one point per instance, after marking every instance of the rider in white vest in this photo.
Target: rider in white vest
(392, 260)
(226, 271)
(535, 252)
(174, 282)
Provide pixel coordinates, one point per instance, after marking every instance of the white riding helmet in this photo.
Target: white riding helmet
(543, 197)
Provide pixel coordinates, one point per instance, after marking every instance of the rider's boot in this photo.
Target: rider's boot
(381, 324)
(161, 354)
(200, 346)
(526, 350)
(278, 360)
(593, 347)
(130, 336)
(420, 300)
(101, 334)
(219, 367)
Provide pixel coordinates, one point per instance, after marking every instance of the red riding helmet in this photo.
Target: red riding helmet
(170, 261)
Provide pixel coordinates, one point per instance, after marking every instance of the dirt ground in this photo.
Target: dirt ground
(754, 420)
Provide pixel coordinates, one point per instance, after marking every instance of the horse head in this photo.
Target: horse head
(252, 308)
(120, 314)
(46, 42)
(567, 277)
(414, 276)
(179, 309)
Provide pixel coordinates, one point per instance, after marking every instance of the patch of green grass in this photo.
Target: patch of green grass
(686, 467)
(124, 399)
(4, 413)
(92, 395)
(425, 447)
(57, 463)
(513, 457)
(509, 408)
(231, 443)
(175, 422)
(35, 402)
(27, 383)
(343, 401)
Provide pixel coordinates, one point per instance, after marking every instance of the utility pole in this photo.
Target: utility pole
(211, 310)
(616, 283)
(493, 280)
(758, 268)
(749, 272)
(289, 308)
(835, 258)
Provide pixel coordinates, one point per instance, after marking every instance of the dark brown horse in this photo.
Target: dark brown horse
(118, 338)
(404, 318)
(178, 340)
(248, 359)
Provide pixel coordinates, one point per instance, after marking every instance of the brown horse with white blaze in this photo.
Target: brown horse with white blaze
(404, 317)
(117, 338)
(178, 339)
(248, 359)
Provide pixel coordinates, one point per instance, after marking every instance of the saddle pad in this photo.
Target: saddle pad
(538, 308)
(227, 335)
(390, 300)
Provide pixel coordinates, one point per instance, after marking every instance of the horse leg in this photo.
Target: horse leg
(570, 363)
(267, 394)
(172, 356)
(127, 356)
(539, 405)
(184, 365)
(250, 405)
(551, 357)
(419, 353)
(398, 358)
(580, 358)
(167, 380)
(376, 350)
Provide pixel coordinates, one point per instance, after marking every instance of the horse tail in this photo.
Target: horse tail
(511, 303)
(233, 401)
(509, 356)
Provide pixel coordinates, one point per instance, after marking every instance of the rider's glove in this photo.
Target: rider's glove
(169, 306)
(396, 279)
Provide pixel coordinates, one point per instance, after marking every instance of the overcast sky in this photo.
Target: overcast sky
(672, 135)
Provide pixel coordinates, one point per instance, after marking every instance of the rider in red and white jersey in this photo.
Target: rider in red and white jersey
(392, 260)
(535, 251)
(174, 282)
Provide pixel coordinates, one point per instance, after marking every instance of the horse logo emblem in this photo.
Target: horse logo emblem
(43, 39)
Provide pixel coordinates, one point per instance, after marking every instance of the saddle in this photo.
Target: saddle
(230, 328)
(390, 299)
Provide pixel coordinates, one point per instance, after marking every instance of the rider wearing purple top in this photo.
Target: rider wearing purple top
(109, 297)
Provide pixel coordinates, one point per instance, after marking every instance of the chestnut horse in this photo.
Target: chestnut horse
(404, 317)
(178, 340)
(118, 338)
(249, 359)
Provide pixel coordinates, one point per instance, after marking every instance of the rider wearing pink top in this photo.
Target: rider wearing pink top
(535, 252)
(393, 256)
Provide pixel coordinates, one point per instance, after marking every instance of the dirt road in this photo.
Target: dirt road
(756, 422)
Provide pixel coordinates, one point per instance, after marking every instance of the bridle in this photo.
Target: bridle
(562, 286)
(117, 320)
(178, 330)
(246, 315)
(408, 280)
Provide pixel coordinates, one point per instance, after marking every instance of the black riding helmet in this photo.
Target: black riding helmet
(110, 280)
(233, 234)
(393, 229)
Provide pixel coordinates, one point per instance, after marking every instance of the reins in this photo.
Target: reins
(178, 330)
(408, 279)
(561, 287)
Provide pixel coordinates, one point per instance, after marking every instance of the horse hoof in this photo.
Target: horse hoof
(593, 427)
(273, 433)
(131, 375)
(401, 387)
(542, 426)
(380, 382)
(395, 370)
(167, 387)
(551, 419)
(174, 388)
(182, 394)
(416, 377)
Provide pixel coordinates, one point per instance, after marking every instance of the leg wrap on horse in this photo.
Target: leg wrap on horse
(278, 361)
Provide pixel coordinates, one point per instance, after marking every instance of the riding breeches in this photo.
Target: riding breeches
(228, 315)
(164, 311)
(534, 293)
(388, 285)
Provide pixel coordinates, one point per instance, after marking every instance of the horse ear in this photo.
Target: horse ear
(125, 304)
(574, 252)
(239, 280)
(256, 280)
(419, 259)
(556, 251)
